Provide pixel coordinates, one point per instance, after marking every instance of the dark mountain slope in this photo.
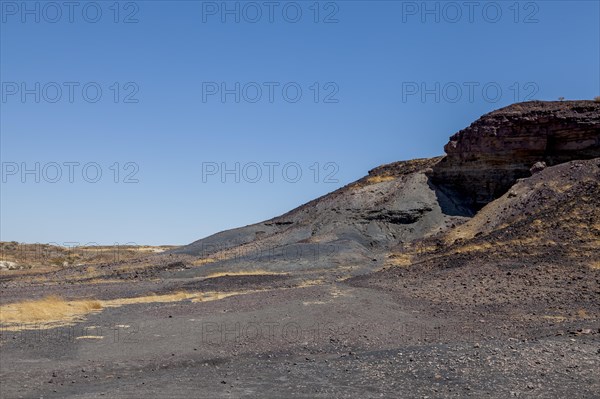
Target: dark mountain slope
(349, 227)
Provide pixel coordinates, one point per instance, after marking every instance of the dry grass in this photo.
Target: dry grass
(47, 310)
(215, 296)
(95, 281)
(245, 273)
(55, 312)
(175, 297)
(310, 283)
(475, 248)
(399, 259)
(533, 242)
(309, 303)
(203, 261)
(582, 314)
(380, 179)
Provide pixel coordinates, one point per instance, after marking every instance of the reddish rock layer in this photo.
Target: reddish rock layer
(484, 160)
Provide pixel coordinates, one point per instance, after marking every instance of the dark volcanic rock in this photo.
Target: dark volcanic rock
(484, 160)
(397, 217)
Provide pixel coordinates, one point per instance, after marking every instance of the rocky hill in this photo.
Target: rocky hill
(404, 204)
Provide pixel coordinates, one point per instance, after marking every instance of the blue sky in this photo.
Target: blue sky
(161, 121)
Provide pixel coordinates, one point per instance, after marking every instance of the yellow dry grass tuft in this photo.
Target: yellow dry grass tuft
(310, 283)
(245, 273)
(474, 248)
(154, 298)
(380, 179)
(399, 259)
(595, 265)
(47, 310)
(582, 314)
(55, 311)
(203, 261)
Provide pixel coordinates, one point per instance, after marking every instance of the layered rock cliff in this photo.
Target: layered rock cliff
(484, 160)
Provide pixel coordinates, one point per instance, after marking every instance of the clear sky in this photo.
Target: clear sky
(161, 96)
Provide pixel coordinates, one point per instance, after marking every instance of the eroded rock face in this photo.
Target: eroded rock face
(484, 160)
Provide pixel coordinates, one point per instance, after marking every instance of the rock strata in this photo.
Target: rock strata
(484, 160)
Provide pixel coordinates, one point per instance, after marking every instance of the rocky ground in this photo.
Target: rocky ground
(329, 340)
